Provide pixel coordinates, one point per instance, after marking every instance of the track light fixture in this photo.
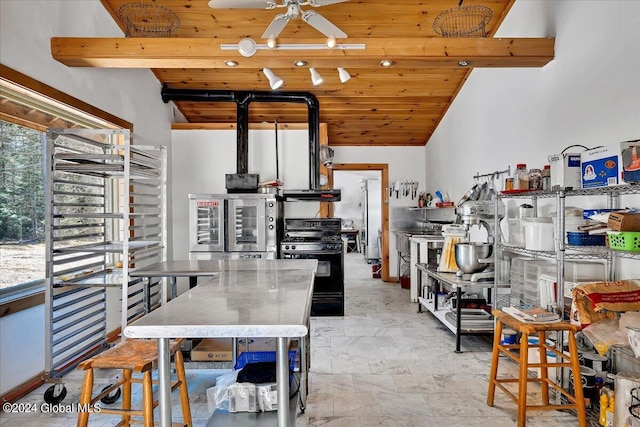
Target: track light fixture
(331, 42)
(316, 78)
(343, 74)
(271, 43)
(274, 81)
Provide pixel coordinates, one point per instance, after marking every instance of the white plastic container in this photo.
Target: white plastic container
(538, 234)
(516, 232)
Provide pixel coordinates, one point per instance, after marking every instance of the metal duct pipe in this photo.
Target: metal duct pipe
(242, 100)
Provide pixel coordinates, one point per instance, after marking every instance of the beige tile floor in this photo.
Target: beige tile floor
(382, 364)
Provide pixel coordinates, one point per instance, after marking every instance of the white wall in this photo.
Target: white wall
(26, 27)
(589, 94)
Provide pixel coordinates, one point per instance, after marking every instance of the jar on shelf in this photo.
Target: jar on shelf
(521, 177)
(546, 177)
(535, 179)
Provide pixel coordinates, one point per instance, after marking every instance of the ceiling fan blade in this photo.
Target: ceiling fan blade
(323, 25)
(318, 3)
(276, 26)
(241, 4)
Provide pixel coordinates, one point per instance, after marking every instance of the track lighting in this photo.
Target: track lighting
(271, 43)
(344, 75)
(274, 81)
(331, 42)
(316, 78)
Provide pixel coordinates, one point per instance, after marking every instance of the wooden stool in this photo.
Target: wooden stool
(132, 356)
(576, 401)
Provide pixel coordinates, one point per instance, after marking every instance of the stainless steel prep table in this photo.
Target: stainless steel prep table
(247, 298)
(174, 269)
(429, 300)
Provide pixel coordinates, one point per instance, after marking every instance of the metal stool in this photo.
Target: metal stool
(131, 356)
(576, 401)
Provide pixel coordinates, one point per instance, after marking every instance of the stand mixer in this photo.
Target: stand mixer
(473, 258)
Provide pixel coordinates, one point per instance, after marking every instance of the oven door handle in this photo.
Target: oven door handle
(290, 252)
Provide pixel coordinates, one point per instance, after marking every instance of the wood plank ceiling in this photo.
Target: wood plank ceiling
(396, 106)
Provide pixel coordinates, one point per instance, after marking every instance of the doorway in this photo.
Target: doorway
(370, 171)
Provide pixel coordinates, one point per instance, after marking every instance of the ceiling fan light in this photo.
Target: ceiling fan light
(274, 81)
(343, 74)
(331, 42)
(271, 43)
(316, 78)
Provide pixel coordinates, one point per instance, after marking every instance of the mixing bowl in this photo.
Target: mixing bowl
(468, 253)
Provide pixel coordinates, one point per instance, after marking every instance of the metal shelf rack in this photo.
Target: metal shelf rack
(105, 217)
(572, 252)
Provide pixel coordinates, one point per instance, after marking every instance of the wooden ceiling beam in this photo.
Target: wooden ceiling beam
(206, 53)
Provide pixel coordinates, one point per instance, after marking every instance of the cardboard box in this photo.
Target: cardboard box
(565, 171)
(624, 221)
(631, 163)
(221, 349)
(213, 350)
(602, 167)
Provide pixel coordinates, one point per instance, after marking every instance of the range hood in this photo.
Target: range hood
(242, 100)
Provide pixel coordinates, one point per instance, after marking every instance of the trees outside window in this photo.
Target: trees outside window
(22, 208)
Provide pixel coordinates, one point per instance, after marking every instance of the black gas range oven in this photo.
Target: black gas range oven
(319, 238)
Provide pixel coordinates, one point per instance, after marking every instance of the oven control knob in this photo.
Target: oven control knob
(293, 246)
(270, 204)
(286, 247)
(270, 219)
(271, 227)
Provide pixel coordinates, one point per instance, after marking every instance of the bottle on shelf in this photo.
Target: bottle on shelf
(521, 177)
(535, 179)
(604, 405)
(546, 177)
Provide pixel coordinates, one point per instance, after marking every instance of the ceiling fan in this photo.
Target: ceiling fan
(294, 11)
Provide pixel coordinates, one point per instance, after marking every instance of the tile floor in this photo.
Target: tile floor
(382, 364)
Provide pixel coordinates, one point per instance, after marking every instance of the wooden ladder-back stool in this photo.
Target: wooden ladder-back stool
(520, 354)
(132, 356)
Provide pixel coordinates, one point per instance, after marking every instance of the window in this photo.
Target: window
(27, 109)
(22, 219)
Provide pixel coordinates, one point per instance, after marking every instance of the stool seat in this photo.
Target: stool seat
(137, 355)
(519, 354)
(132, 356)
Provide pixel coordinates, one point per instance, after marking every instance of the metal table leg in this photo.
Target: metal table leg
(164, 382)
(282, 378)
(458, 318)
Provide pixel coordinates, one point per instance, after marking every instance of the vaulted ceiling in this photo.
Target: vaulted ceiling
(396, 106)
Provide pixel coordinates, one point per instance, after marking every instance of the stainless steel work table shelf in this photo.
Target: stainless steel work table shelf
(428, 298)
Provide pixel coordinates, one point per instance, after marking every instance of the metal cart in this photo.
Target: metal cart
(105, 216)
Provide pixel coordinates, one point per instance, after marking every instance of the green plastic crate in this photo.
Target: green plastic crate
(624, 240)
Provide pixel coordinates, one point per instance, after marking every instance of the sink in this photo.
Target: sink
(403, 236)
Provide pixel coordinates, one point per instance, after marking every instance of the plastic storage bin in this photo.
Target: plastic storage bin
(624, 240)
(538, 234)
(262, 356)
(579, 238)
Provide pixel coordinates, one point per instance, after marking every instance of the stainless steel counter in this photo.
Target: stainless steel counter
(247, 298)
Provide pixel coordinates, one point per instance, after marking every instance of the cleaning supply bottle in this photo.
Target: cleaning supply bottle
(611, 411)
(604, 405)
